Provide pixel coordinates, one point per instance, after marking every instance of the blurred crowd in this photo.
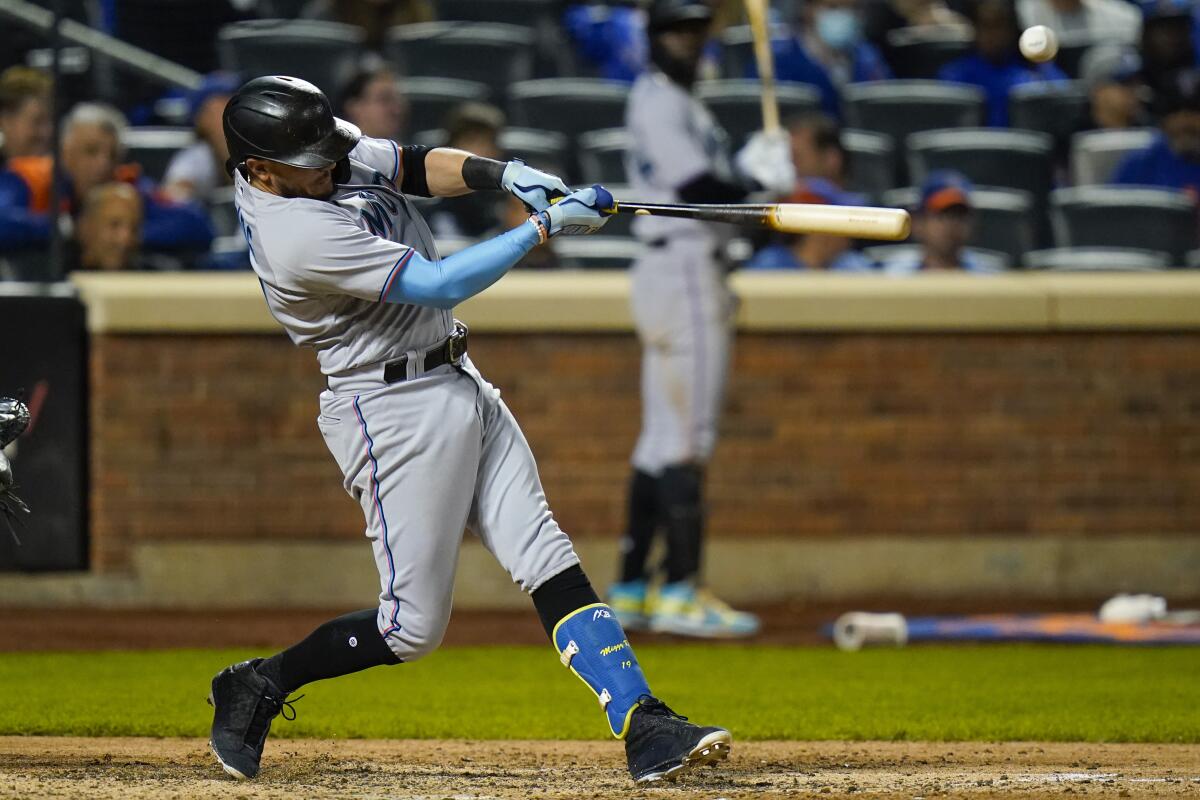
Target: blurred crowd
(1119, 106)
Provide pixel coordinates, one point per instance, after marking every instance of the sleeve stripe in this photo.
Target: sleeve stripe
(391, 278)
(396, 171)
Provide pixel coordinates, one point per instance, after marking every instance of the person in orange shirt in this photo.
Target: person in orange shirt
(90, 155)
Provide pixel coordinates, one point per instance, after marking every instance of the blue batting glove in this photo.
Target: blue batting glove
(534, 188)
(581, 212)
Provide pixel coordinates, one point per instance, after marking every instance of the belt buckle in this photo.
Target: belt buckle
(456, 344)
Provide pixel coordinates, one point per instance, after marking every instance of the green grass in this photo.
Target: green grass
(934, 693)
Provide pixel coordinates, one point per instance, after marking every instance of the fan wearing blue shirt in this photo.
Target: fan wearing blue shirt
(1172, 161)
(942, 223)
(996, 66)
(828, 50)
(815, 251)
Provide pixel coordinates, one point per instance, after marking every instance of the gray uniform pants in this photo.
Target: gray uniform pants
(425, 459)
(683, 311)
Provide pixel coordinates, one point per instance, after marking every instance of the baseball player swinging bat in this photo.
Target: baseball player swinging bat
(859, 222)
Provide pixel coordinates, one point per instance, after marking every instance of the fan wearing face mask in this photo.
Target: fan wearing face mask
(827, 48)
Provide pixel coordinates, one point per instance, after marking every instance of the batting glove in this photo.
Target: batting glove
(767, 160)
(582, 212)
(536, 189)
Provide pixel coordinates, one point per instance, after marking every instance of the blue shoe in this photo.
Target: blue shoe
(628, 601)
(684, 610)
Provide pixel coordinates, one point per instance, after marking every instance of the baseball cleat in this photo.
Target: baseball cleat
(661, 745)
(628, 602)
(244, 705)
(682, 609)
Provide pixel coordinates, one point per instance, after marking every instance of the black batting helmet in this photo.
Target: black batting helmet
(287, 120)
(665, 13)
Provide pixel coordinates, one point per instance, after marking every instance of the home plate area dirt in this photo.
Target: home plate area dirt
(183, 768)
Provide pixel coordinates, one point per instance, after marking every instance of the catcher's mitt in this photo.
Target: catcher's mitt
(14, 418)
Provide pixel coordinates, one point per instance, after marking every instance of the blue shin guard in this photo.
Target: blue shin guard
(591, 643)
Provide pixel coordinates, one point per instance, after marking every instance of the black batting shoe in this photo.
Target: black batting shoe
(661, 744)
(244, 705)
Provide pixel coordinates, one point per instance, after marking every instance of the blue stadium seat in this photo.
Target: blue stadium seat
(737, 104)
(1096, 154)
(430, 100)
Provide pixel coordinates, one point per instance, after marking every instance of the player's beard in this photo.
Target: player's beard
(680, 71)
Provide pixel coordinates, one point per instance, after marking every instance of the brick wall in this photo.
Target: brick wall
(213, 437)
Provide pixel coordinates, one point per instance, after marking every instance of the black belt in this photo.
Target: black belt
(450, 351)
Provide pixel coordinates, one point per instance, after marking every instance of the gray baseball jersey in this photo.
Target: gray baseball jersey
(426, 457)
(325, 265)
(681, 305)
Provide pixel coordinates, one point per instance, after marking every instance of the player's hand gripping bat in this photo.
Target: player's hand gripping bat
(857, 222)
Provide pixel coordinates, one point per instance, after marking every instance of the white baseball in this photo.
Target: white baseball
(1039, 43)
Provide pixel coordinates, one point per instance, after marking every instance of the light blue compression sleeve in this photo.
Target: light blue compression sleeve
(446, 283)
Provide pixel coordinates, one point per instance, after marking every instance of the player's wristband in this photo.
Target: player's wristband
(542, 231)
(483, 174)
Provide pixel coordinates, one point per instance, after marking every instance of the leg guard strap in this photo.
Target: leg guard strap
(592, 644)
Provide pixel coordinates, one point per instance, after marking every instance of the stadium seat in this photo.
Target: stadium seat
(596, 252)
(602, 156)
(1057, 108)
(529, 13)
(900, 108)
(872, 162)
(1004, 218)
(737, 49)
(1096, 154)
(572, 105)
(154, 147)
(738, 108)
(988, 156)
(430, 100)
(919, 51)
(1192, 261)
(322, 53)
(1096, 259)
(493, 54)
(1125, 216)
(544, 150)
(881, 253)
(223, 212)
(1071, 50)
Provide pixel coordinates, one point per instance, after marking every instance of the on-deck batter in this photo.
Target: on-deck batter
(683, 311)
(425, 444)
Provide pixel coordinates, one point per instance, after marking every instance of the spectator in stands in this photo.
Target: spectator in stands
(25, 125)
(1172, 161)
(996, 66)
(817, 150)
(91, 152)
(610, 37)
(1097, 21)
(196, 171)
(815, 251)
(373, 16)
(108, 236)
(1111, 74)
(942, 223)
(475, 128)
(828, 50)
(374, 101)
(1169, 33)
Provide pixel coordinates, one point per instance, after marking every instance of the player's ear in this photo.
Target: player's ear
(258, 169)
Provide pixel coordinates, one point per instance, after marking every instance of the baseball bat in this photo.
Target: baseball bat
(756, 12)
(858, 222)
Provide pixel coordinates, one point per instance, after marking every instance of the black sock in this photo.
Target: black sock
(680, 488)
(643, 524)
(350, 643)
(567, 591)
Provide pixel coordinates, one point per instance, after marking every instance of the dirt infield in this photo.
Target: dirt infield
(183, 768)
